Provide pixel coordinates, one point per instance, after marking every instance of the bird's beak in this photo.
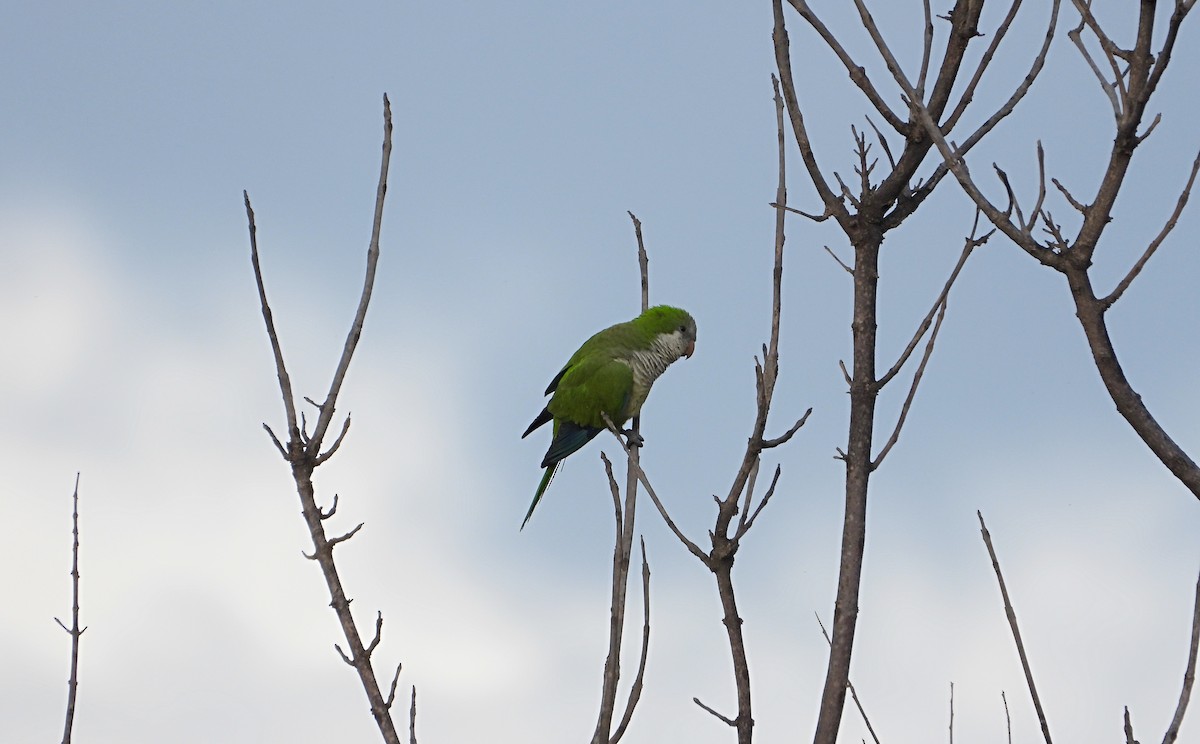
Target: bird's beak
(691, 348)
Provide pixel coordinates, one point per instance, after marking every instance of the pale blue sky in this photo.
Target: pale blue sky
(134, 352)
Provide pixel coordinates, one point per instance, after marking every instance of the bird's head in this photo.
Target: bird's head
(674, 327)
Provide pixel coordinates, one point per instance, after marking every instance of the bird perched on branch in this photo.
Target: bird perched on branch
(610, 374)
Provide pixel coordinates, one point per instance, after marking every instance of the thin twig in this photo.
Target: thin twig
(951, 713)
(724, 719)
(857, 73)
(412, 718)
(1136, 269)
(635, 692)
(74, 631)
(1016, 631)
(850, 686)
(1007, 717)
(939, 305)
(912, 390)
(1189, 674)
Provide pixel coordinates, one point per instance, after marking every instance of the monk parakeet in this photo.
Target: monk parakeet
(611, 373)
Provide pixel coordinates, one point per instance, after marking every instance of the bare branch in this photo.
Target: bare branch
(343, 538)
(275, 439)
(412, 718)
(912, 390)
(1158, 239)
(952, 156)
(985, 59)
(339, 375)
(74, 631)
(1129, 728)
(1007, 717)
(1079, 207)
(746, 523)
(370, 649)
(814, 217)
(841, 263)
(833, 204)
(857, 74)
(883, 143)
(926, 52)
(614, 489)
(1012, 623)
(692, 547)
(1189, 674)
(727, 721)
(326, 514)
(304, 453)
(951, 713)
(336, 443)
(850, 686)
(1115, 90)
(623, 547)
(635, 691)
(391, 696)
(285, 382)
(940, 302)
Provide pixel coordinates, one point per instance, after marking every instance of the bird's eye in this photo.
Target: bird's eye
(682, 329)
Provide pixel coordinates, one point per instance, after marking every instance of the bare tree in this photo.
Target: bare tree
(304, 452)
(1128, 77)
(866, 209)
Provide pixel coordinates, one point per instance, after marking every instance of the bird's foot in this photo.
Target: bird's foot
(632, 438)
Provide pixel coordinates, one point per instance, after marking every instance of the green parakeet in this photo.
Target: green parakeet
(611, 373)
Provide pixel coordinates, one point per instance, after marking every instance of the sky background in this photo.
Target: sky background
(134, 353)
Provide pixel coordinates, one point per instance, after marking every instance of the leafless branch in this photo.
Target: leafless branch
(623, 548)
(857, 73)
(343, 538)
(952, 155)
(692, 547)
(613, 487)
(336, 443)
(303, 450)
(985, 60)
(1007, 717)
(912, 390)
(951, 713)
(814, 217)
(727, 721)
(1129, 729)
(850, 686)
(412, 718)
(327, 513)
(1115, 90)
(1189, 674)
(643, 260)
(939, 307)
(391, 696)
(1158, 239)
(1016, 631)
(926, 53)
(635, 692)
(883, 143)
(848, 270)
(74, 631)
(833, 204)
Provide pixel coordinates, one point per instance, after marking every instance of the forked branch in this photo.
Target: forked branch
(303, 452)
